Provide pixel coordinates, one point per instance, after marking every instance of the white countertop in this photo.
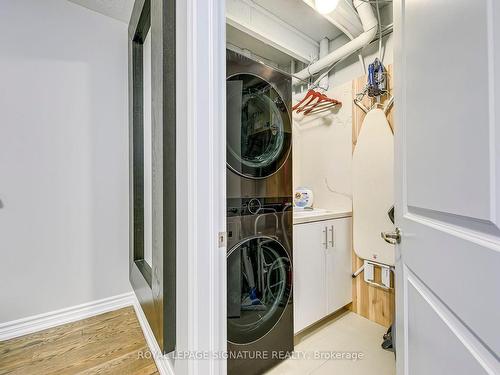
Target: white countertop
(301, 216)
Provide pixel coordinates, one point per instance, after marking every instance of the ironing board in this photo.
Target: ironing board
(373, 189)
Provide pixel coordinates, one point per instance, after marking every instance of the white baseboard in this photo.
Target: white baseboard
(163, 362)
(36, 323)
(51, 319)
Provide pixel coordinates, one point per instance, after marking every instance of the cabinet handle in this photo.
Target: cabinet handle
(326, 238)
(332, 242)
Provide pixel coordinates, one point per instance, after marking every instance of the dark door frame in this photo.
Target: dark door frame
(155, 287)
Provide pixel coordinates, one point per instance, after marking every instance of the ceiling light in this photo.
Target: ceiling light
(325, 6)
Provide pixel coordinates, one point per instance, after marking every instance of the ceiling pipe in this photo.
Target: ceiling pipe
(324, 45)
(370, 27)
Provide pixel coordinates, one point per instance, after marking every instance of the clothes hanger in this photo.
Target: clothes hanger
(314, 102)
(306, 100)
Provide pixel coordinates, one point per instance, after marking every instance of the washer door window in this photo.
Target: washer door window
(258, 127)
(259, 281)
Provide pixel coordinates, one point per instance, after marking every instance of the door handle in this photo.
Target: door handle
(392, 237)
(326, 238)
(332, 242)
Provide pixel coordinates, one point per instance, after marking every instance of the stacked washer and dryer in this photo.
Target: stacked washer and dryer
(259, 216)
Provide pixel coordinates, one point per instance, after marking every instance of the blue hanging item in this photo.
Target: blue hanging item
(376, 79)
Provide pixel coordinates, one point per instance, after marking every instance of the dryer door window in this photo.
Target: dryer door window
(259, 283)
(258, 127)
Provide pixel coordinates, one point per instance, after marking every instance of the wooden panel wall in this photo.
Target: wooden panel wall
(371, 302)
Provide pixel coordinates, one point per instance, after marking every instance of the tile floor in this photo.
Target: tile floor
(349, 333)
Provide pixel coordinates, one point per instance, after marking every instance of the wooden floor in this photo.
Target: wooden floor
(111, 343)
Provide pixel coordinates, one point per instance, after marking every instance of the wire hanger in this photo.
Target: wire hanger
(385, 107)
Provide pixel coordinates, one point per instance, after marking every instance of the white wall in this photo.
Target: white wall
(322, 145)
(63, 157)
(322, 152)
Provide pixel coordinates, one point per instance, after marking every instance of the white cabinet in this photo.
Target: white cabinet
(309, 246)
(339, 266)
(322, 269)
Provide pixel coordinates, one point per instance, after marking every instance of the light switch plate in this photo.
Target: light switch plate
(222, 239)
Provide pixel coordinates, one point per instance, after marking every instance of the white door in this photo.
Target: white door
(448, 186)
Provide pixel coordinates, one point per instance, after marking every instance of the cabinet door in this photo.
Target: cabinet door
(339, 264)
(309, 274)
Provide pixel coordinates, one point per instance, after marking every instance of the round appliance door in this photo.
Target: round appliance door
(259, 283)
(258, 127)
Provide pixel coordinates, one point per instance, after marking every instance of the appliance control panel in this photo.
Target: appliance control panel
(256, 206)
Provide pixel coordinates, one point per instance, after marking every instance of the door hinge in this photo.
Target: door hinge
(222, 239)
